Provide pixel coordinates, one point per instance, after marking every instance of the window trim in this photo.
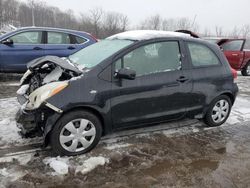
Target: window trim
(201, 66)
(46, 37)
(140, 44)
(17, 33)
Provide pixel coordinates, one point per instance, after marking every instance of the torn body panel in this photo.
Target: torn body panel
(45, 70)
(45, 76)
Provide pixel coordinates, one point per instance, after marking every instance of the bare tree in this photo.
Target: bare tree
(96, 15)
(207, 32)
(124, 22)
(235, 33)
(152, 22)
(245, 31)
(218, 31)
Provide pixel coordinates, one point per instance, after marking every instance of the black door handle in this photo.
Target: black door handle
(182, 79)
(37, 48)
(71, 48)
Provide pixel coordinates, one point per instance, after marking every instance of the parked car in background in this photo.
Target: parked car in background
(213, 40)
(19, 47)
(128, 80)
(237, 52)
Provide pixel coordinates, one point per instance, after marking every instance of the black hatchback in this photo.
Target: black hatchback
(128, 80)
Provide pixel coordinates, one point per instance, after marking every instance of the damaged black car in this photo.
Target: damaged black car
(128, 80)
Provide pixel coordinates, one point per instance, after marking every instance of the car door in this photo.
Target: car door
(233, 51)
(59, 44)
(208, 74)
(26, 46)
(158, 91)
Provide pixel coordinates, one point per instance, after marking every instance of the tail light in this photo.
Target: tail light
(234, 73)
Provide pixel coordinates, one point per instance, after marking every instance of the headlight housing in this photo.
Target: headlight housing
(43, 93)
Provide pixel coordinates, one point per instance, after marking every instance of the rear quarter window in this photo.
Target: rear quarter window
(201, 55)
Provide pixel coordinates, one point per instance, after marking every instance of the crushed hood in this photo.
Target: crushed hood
(62, 62)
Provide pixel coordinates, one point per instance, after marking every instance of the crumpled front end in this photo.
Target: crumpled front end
(44, 78)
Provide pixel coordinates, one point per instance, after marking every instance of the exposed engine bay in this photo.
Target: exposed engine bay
(45, 70)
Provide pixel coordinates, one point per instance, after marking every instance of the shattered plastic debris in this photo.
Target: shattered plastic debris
(22, 90)
(53, 76)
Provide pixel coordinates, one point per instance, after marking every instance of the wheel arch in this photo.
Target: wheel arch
(92, 110)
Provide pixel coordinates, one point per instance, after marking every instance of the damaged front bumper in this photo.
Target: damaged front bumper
(37, 122)
(28, 122)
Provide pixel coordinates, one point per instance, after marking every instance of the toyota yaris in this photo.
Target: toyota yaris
(128, 80)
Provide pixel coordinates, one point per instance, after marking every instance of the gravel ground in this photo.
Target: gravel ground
(184, 154)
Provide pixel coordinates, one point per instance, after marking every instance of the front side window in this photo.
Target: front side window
(201, 55)
(234, 45)
(58, 38)
(31, 37)
(152, 58)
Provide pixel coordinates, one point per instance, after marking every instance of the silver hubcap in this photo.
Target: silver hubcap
(77, 135)
(220, 111)
(248, 69)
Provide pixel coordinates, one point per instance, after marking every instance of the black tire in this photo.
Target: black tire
(208, 119)
(59, 127)
(245, 71)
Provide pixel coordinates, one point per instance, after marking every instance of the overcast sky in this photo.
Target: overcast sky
(209, 13)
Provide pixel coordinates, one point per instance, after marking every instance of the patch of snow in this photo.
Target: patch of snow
(9, 131)
(4, 172)
(145, 35)
(53, 76)
(91, 164)
(22, 159)
(11, 175)
(240, 111)
(117, 146)
(58, 164)
(22, 90)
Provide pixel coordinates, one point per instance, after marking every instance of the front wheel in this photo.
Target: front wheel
(218, 111)
(246, 70)
(77, 132)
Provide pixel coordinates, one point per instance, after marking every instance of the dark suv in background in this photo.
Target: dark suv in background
(128, 80)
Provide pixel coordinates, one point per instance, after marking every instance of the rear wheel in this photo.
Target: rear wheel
(246, 70)
(218, 111)
(76, 133)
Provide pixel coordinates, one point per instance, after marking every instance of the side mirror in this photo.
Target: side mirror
(8, 42)
(126, 73)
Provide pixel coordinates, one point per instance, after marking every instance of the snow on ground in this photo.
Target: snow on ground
(91, 164)
(61, 165)
(58, 164)
(8, 129)
(117, 146)
(240, 111)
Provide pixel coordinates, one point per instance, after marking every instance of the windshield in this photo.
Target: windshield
(96, 53)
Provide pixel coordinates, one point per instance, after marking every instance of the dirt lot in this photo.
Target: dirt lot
(178, 154)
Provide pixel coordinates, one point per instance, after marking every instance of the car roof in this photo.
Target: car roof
(138, 35)
(33, 28)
